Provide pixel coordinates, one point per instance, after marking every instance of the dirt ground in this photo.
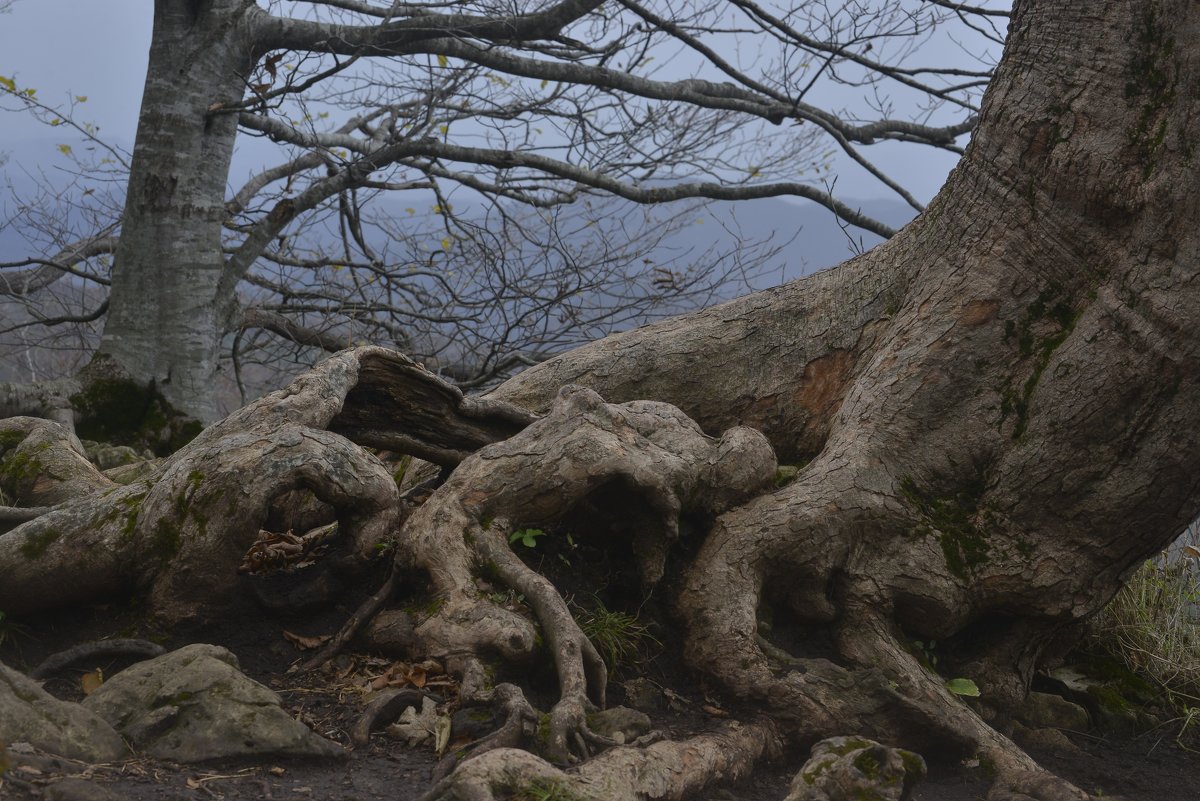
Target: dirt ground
(1151, 767)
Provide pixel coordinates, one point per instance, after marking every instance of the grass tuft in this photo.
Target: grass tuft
(616, 635)
(1152, 627)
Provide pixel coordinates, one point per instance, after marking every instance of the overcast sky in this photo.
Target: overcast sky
(98, 50)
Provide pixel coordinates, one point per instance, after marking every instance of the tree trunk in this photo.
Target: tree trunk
(165, 318)
(1006, 384)
(994, 410)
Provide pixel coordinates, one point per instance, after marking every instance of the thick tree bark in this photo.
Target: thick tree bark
(1015, 364)
(997, 403)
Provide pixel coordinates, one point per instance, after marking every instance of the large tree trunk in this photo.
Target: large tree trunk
(166, 317)
(992, 415)
(1000, 400)
(998, 404)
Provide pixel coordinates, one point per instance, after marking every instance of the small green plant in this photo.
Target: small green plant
(508, 598)
(526, 536)
(616, 635)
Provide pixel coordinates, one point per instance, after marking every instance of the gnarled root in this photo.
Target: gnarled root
(669, 770)
(801, 536)
(180, 533)
(536, 477)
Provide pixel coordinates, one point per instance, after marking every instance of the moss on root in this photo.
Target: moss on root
(36, 542)
(951, 518)
(125, 412)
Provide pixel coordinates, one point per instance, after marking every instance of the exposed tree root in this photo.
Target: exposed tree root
(181, 533)
(517, 731)
(668, 770)
(833, 549)
(385, 707)
(653, 451)
(143, 649)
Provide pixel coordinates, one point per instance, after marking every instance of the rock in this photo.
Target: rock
(620, 723)
(1044, 739)
(643, 694)
(194, 704)
(1046, 710)
(106, 456)
(76, 790)
(29, 714)
(855, 767)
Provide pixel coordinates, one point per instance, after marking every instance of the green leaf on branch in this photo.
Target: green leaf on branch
(963, 687)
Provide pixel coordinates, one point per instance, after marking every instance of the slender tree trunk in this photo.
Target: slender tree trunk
(164, 321)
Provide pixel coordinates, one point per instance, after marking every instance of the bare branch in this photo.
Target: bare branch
(61, 264)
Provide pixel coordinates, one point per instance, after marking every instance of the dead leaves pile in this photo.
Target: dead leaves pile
(426, 675)
(274, 551)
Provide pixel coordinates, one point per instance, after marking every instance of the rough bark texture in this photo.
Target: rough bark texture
(996, 403)
(992, 417)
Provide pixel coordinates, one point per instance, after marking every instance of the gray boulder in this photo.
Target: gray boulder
(620, 723)
(1045, 710)
(194, 704)
(855, 767)
(28, 714)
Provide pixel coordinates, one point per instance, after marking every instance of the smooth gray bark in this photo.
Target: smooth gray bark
(165, 318)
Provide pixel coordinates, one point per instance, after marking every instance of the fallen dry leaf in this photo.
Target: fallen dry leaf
(306, 643)
(90, 682)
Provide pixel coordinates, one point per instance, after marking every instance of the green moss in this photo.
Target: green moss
(125, 412)
(37, 542)
(1043, 327)
(131, 507)
(426, 610)
(167, 538)
(401, 469)
(851, 745)
(1119, 678)
(868, 794)
(951, 519)
(867, 765)
(1151, 79)
(785, 474)
(11, 439)
(1110, 699)
(544, 790)
(489, 571)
